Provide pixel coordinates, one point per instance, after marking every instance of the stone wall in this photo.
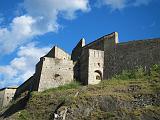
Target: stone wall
(37, 74)
(76, 52)
(32, 83)
(57, 62)
(56, 52)
(130, 55)
(2, 91)
(95, 66)
(97, 44)
(104, 43)
(110, 43)
(75, 56)
(83, 64)
(143, 53)
(27, 86)
(6, 95)
(55, 72)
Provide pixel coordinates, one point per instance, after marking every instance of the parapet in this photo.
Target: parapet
(57, 52)
(101, 43)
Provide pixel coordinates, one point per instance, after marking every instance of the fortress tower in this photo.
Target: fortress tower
(90, 63)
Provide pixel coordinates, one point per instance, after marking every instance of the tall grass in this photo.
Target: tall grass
(140, 73)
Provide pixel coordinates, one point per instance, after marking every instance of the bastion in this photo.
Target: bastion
(88, 63)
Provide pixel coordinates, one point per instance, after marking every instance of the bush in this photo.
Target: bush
(131, 74)
(155, 71)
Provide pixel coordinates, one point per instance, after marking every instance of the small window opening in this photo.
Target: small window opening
(57, 75)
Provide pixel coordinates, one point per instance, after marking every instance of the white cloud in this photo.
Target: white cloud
(17, 33)
(46, 13)
(23, 66)
(40, 17)
(121, 4)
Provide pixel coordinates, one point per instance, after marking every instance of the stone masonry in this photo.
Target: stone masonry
(91, 63)
(6, 95)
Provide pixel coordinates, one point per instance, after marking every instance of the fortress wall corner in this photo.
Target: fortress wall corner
(76, 52)
(51, 53)
(27, 86)
(83, 70)
(110, 44)
(56, 52)
(55, 72)
(32, 83)
(61, 54)
(75, 56)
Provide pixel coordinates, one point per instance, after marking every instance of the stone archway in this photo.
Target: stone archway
(98, 75)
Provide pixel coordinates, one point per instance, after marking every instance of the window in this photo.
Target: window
(57, 75)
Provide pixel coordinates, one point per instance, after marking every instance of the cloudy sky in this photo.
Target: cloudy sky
(29, 28)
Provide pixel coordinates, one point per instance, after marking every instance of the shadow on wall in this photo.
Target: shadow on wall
(15, 107)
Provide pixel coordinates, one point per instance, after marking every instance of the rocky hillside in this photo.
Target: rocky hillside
(133, 95)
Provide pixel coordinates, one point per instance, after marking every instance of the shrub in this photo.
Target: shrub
(131, 74)
(155, 71)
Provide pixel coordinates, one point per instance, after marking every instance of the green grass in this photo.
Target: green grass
(24, 115)
(121, 88)
(72, 85)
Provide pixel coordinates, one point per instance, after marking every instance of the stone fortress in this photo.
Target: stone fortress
(88, 64)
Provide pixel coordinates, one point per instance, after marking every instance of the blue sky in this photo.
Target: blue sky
(29, 28)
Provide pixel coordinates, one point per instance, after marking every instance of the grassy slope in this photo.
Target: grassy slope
(125, 97)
